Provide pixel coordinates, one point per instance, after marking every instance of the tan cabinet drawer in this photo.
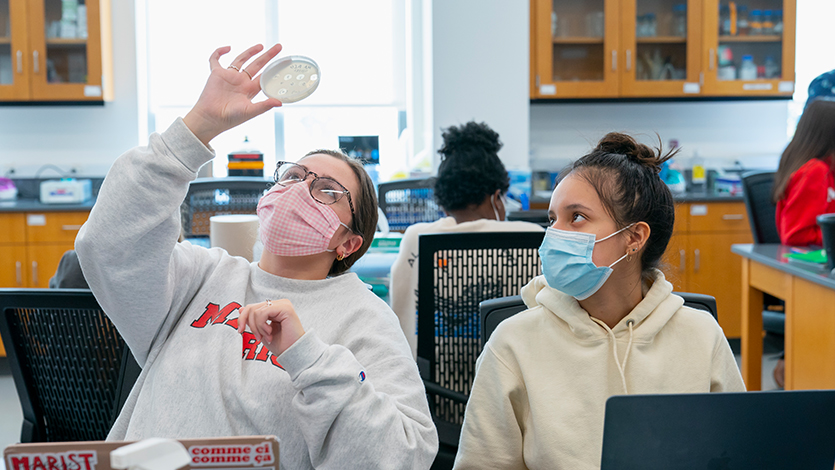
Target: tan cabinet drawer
(718, 217)
(50, 227)
(12, 228)
(682, 217)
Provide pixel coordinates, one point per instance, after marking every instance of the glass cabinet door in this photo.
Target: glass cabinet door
(661, 47)
(14, 81)
(66, 50)
(576, 48)
(750, 47)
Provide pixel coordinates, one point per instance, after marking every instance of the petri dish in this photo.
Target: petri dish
(290, 79)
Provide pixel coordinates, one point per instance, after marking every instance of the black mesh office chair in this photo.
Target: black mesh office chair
(756, 187)
(456, 271)
(214, 196)
(495, 311)
(409, 201)
(537, 216)
(71, 368)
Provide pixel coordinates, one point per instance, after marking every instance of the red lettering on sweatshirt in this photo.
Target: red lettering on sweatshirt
(253, 350)
(214, 316)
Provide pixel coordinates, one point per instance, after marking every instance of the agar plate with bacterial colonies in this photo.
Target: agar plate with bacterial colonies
(290, 79)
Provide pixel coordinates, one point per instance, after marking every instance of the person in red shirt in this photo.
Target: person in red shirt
(804, 184)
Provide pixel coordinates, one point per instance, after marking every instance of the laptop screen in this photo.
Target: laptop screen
(720, 431)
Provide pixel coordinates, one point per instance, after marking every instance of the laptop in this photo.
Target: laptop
(720, 431)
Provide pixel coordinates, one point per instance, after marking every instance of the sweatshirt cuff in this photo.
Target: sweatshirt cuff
(302, 354)
(185, 146)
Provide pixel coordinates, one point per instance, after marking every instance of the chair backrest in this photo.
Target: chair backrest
(71, 368)
(456, 271)
(409, 201)
(213, 196)
(756, 190)
(700, 302)
(494, 311)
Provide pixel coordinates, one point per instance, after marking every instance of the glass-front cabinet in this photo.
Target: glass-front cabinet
(661, 48)
(51, 50)
(576, 50)
(749, 47)
(660, 42)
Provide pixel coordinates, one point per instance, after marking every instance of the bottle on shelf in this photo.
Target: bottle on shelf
(742, 26)
(680, 20)
(747, 69)
(778, 22)
(698, 175)
(652, 25)
(756, 22)
(768, 23)
(724, 20)
(772, 70)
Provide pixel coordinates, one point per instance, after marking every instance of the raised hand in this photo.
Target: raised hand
(273, 323)
(226, 100)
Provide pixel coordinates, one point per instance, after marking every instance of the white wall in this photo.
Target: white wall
(88, 138)
(480, 71)
(752, 132)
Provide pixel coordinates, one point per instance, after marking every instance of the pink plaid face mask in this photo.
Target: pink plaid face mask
(294, 224)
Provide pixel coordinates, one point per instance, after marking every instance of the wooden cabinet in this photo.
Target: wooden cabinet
(774, 52)
(31, 246)
(54, 50)
(698, 258)
(653, 48)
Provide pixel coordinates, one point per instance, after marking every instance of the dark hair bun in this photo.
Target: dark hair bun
(623, 144)
(462, 140)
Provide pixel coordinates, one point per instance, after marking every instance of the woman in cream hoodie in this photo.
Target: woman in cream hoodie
(601, 321)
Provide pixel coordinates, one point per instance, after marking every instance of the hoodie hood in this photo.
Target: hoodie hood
(649, 316)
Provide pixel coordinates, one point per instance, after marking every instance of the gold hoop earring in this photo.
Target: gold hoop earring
(340, 257)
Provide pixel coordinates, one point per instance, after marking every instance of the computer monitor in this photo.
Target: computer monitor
(364, 147)
(720, 431)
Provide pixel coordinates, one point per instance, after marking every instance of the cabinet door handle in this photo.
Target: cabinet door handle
(71, 227)
(18, 272)
(34, 274)
(732, 217)
(628, 60)
(614, 60)
(35, 62)
(696, 262)
(712, 58)
(19, 62)
(681, 261)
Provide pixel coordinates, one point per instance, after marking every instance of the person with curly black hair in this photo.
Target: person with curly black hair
(470, 187)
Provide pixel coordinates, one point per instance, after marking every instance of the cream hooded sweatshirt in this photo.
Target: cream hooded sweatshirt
(544, 376)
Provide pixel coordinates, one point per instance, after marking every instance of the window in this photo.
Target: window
(813, 51)
(359, 46)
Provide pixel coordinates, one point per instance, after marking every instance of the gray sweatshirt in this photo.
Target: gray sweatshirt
(347, 394)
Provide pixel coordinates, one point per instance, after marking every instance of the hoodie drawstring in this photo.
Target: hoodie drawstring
(621, 367)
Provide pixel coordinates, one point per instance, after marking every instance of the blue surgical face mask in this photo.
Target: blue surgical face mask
(567, 263)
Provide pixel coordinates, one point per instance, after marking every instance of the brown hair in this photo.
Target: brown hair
(625, 175)
(814, 138)
(365, 209)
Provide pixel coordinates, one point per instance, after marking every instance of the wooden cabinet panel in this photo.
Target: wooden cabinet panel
(718, 217)
(674, 262)
(43, 261)
(12, 228)
(48, 227)
(13, 266)
(715, 272)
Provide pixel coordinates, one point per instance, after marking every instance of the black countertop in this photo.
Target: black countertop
(689, 196)
(34, 205)
(772, 255)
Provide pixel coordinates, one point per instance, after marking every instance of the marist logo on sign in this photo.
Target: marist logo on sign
(73, 460)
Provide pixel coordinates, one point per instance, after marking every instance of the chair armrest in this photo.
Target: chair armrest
(435, 389)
